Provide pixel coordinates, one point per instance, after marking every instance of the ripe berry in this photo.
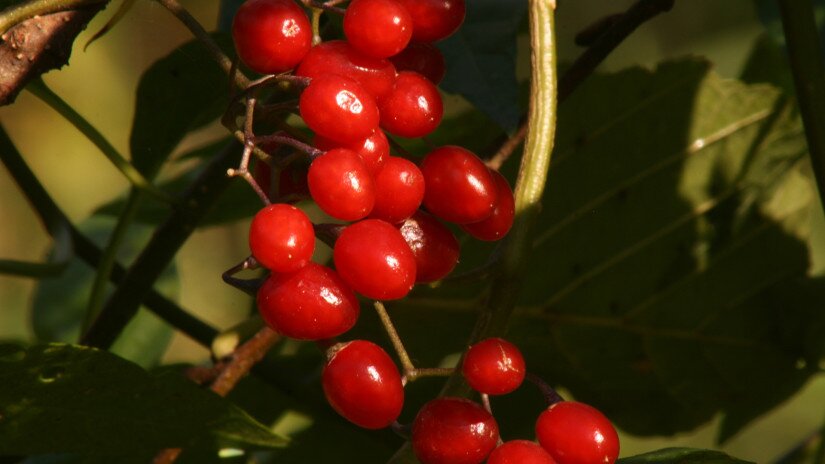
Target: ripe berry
(434, 246)
(281, 238)
(494, 366)
(338, 57)
(576, 433)
(271, 36)
(310, 304)
(460, 188)
(338, 108)
(341, 185)
(399, 189)
(453, 431)
(499, 223)
(520, 452)
(413, 108)
(423, 58)
(373, 150)
(292, 179)
(377, 28)
(373, 258)
(434, 20)
(362, 383)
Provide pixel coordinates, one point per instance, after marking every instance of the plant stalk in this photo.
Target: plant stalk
(808, 69)
(541, 129)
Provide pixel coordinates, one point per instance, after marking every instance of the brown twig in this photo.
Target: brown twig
(38, 45)
(621, 26)
(230, 373)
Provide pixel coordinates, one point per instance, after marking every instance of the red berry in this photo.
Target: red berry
(373, 258)
(434, 20)
(271, 36)
(338, 108)
(281, 238)
(499, 223)
(313, 303)
(413, 108)
(338, 57)
(399, 189)
(341, 185)
(576, 433)
(423, 58)
(520, 452)
(453, 431)
(373, 150)
(460, 188)
(362, 383)
(377, 28)
(434, 246)
(494, 366)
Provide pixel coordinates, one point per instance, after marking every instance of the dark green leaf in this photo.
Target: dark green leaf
(768, 12)
(673, 233)
(177, 94)
(682, 456)
(63, 398)
(481, 59)
(59, 304)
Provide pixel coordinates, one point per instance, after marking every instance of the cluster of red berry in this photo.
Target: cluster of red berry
(353, 94)
(383, 77)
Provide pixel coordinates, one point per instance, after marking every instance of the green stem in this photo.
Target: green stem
(44, 93)
(109, 258)
(56, 265)
(200, 33)
(54, 219)
(16, 14)
(123, 304)
(802, 40)
(541, 128)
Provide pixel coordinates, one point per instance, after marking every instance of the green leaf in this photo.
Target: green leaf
(481, 59)
(672, 238)
(768, 12)
(682, 456)
(177, 94)
(59, 304)
(64, 398)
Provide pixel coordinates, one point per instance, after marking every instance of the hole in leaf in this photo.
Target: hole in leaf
(50, 374)
(10, 352)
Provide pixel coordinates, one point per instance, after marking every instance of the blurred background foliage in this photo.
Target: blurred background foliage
(100, 84)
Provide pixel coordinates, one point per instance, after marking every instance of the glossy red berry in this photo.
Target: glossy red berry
(373, 150)
(413, 108)
(577, 433)
(453, 431)
(435, 247)
(423, 58)
(520, 452)
(281, 238)
(494, 366)
(338, 108)
(373, 258)
(377, 28)
(460, 188)
(337, 57)
(341, 185)
(434, 20)
(399, 189)
(312, 303)
(362, 384)
(271, 36)
(499, 223)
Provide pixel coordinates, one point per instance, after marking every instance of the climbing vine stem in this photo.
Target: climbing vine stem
(541, 130)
